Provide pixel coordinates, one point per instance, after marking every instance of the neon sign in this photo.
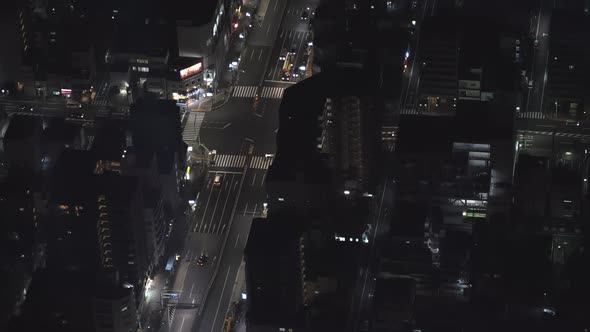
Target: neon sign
(194, 69)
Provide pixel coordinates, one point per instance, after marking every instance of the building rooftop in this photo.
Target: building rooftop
(274, 294)
(299, 112)
(197, 13)
(155, 126)
(22, 127)
(147, 39)
(72, 178)
(474, 122)
(109, 142)
(59, 130)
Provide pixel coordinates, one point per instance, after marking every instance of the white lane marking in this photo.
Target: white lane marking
(216, 202)
(373, 241)
(206, 206)
(262, 182)
(237, 238)
(260, 55)
(224, 205)
(190, 294)
(220, 297)
(181, 324)
(245, 208)
(254, 179)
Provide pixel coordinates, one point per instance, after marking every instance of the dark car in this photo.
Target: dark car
(202, 260)
(76, 116)
(286, 76)
(26, 108)
(304, 15)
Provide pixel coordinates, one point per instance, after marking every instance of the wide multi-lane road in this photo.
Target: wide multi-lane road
(411, 78)
(536, 92)
(242, 133)
(245, 149)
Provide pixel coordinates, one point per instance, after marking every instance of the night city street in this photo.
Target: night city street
(294, 165)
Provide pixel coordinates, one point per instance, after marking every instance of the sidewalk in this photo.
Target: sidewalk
(236, 313)
(212, 103)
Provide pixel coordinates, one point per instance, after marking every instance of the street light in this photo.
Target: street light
(346, 192)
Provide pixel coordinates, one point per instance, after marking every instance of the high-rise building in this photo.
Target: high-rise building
(347, 141)
(566, 95)
(438, 67)
(120, 229)
(274, 278)
(113, 309)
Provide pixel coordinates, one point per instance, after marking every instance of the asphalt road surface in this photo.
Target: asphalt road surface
(245, 148)
(536, 93)
(411, 82)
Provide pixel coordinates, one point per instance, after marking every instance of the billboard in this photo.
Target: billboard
(192, 70)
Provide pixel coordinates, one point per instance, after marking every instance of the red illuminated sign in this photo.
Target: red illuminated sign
(194, 69)
(66, 91)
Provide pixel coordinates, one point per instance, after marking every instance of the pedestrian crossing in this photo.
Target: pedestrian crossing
(551, 133)
(229, 160)
(531, 115)
(272, 92)
(244, 91)
(11, 113)
(249, 91)
(100, 102)
(409, 111)
(191, 129)
(106, 113)
(261, 162)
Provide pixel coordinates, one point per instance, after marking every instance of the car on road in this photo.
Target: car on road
(217, 180)
(286, 76)
(75, 116)
(304, 15)
(202, 260)
(283, 55)
(26, 108)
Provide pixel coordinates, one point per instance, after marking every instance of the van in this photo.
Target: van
(217, 181)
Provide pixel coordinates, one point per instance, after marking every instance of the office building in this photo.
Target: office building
(438, 65)
(275, 296)
(113, 309)
(566, 95)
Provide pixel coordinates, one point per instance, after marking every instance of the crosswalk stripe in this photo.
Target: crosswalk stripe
(229, 160)
(261, 162)
(24, 114)
(409, 111)
(272, 92)
(249, 91)
(244, 91)
(531, 115)
(192, 127)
